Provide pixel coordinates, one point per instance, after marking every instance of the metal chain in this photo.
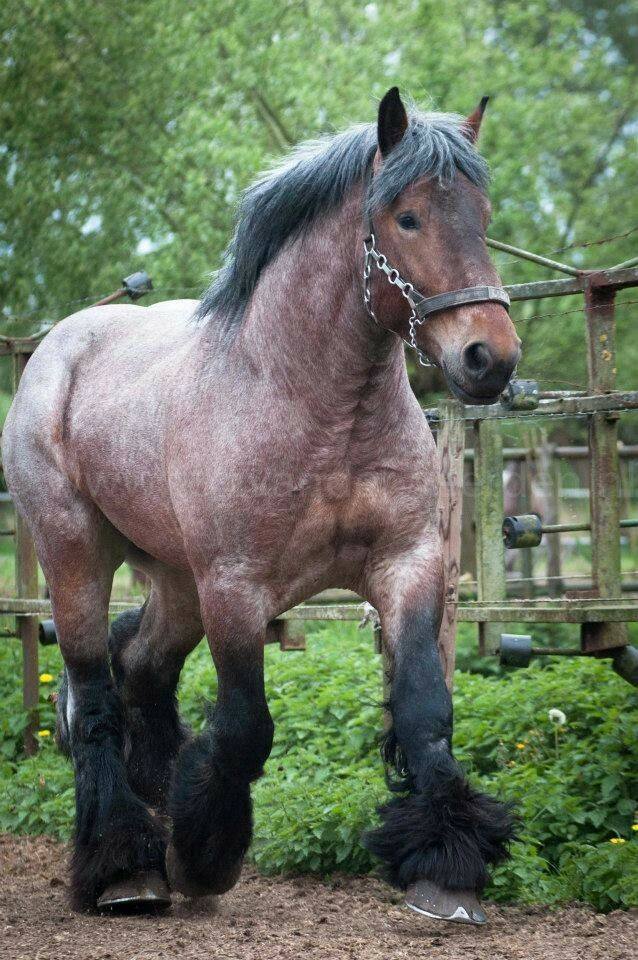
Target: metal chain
(367, 269)
(394, 277)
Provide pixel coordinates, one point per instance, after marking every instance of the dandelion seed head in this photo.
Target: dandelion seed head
(557, 716)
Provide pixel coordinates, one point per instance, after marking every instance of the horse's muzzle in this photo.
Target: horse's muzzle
(479, 375)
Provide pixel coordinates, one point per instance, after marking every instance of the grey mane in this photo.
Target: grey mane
(315, 179)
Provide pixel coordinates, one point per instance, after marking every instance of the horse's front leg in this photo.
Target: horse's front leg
(438, 834)
(210, 802)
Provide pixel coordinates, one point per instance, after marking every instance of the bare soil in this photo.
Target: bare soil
(265, 918)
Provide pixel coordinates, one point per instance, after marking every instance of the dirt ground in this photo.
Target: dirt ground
(265, 918)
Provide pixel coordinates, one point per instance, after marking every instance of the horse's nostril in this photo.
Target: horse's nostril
(477, 358)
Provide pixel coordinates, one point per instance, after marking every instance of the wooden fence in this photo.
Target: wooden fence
(602, 612)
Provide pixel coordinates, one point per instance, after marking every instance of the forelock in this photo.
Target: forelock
(315, 179)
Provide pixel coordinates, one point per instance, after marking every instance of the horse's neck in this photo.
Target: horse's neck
(308, 331)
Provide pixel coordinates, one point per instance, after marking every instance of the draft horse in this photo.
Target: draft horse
(246, 452)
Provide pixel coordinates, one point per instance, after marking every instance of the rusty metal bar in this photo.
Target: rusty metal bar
(539, 289)
(112, 298)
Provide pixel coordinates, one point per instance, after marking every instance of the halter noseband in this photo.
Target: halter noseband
(421, 307)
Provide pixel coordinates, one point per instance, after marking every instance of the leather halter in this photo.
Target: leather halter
(421, 307)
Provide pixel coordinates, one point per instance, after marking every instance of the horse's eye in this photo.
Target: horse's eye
(409, 221)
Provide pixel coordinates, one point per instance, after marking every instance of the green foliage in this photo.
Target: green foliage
(574, 786)
(606, 874)
(36, 794)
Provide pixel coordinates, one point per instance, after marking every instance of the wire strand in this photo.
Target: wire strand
(565, 313)
(577, 246)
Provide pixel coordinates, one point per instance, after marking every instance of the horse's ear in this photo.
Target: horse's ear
(473, 122)
(392, 122)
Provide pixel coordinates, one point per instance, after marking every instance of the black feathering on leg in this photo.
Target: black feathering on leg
(153, 730)
(210, 803)
(133, 843)
(448, 832)
(115, 835)
(154, 736)
(437, 827)
(211, 813)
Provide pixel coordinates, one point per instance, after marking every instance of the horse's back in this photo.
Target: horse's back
(103, 335)
(84, 362)
(115, 328)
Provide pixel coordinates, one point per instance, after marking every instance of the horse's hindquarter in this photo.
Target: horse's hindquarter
(94, 405)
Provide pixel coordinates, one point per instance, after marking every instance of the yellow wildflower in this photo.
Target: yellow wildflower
(44, 733)
(520, 746)
(634, 826)
(617, 840)
(46, 678)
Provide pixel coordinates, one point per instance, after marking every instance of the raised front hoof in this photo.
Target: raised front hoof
(217, 883)
(145, 893)
(458, 906)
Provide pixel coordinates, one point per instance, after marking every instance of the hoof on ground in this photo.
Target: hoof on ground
(180, 881)
(459, 906)
(142, 894)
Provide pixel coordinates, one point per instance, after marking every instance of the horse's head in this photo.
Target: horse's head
(432, 232)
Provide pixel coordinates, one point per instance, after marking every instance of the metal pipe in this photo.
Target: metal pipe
(574, 527)
(565, 527)
(558, 652)
(112, 298)
(533, 257)
(626, 263)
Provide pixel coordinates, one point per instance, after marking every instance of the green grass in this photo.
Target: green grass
(575, 786)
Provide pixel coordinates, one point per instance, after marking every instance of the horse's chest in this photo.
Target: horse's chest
(344, 513)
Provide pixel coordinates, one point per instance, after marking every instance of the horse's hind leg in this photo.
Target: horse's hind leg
(148, 647)
(116, 838)
(210, 799)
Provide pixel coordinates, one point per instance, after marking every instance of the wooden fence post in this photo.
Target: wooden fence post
(604, 470)
(550, 481)
(490, 559)
(451, 447)
(468, 533)
(26, 573)
(525, 504)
